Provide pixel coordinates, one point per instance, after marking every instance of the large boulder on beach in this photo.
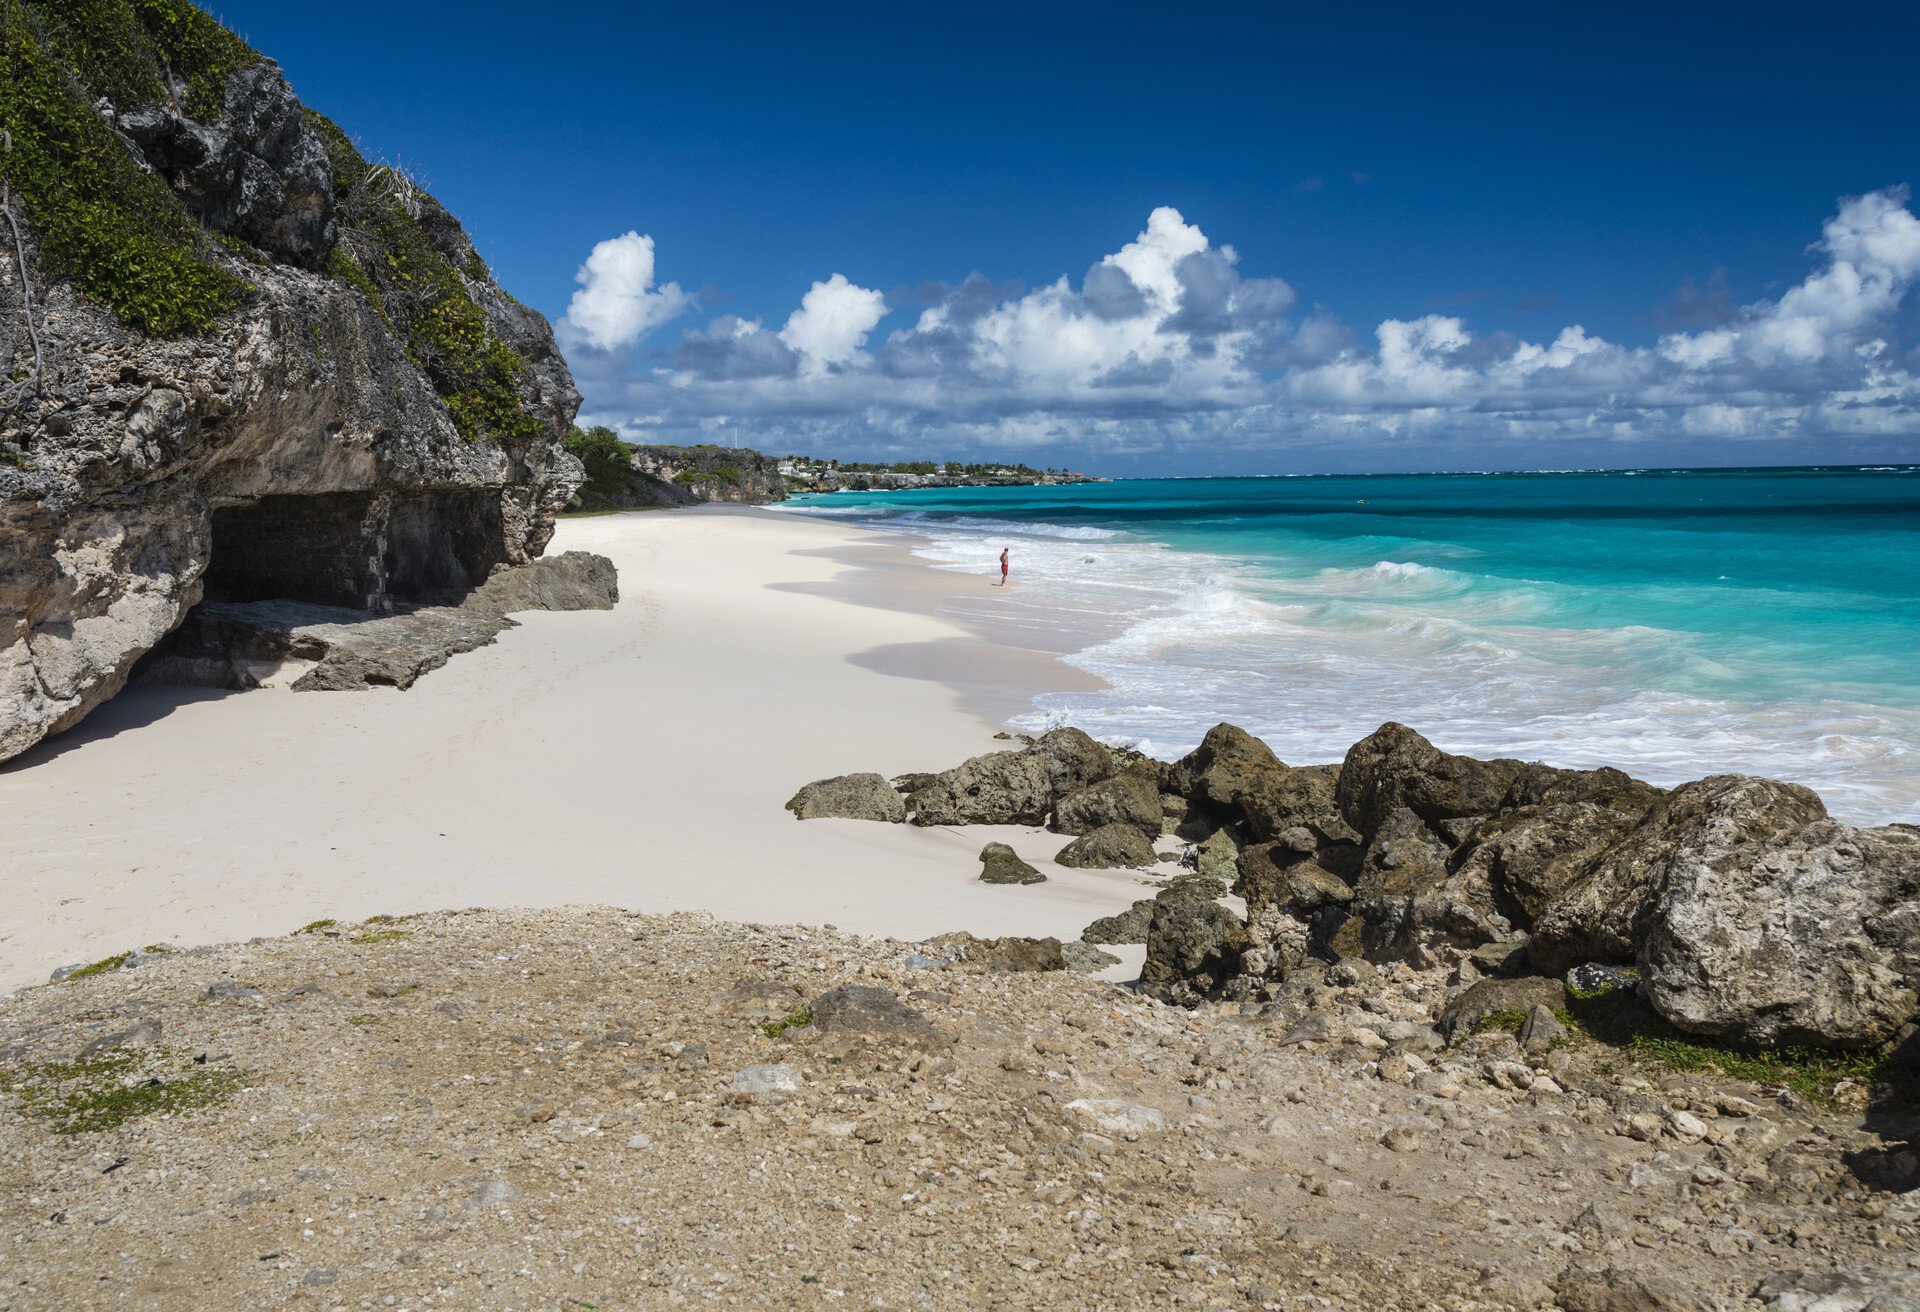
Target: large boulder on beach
(1413, 804)
(1459, 852)
(1752, 916)
(1130, 798)
(1551, 827)
(1110, 847)
(1000, 864)
(1602, 913)
(1806, 938)
(1194, 945)
(1019, 787)
(849, 797)
(865, 1012)
(1129, 926)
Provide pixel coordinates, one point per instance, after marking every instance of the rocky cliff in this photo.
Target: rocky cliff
(241, 360)
(714, 473)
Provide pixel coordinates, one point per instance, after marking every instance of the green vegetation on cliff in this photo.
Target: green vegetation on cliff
(607, 462)
(102, 220)
(386, 253)
(612, 482)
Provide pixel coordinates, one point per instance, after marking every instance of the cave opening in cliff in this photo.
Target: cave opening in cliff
(321, 548)
(442, 543)
(362, 550)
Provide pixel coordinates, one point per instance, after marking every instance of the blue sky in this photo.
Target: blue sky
(1487, 178)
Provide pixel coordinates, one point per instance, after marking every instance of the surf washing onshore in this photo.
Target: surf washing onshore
(1672, 623)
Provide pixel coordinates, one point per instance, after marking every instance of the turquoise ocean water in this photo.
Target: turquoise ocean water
(1675, 623)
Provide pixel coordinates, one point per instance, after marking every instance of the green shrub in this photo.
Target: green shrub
(101, 220)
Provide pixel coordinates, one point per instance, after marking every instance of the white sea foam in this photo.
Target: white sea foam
(1313, 660)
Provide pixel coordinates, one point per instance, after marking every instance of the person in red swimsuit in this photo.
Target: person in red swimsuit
(1003, 567)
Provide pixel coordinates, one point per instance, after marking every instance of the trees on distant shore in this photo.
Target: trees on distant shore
(606, 456)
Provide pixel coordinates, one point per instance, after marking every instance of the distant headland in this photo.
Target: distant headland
(625, 476)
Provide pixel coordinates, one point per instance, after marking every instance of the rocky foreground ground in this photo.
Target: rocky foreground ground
(596, 1109)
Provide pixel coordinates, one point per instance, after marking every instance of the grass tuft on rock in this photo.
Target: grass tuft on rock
(773, 1029)
(387, 254)
(383, 936)
(1619, 1019)
(104, 966)
(1509, 1021)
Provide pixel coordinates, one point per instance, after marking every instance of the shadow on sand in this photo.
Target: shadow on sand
(136, 707)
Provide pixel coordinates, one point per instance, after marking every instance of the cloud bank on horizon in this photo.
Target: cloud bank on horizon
(1167, 347)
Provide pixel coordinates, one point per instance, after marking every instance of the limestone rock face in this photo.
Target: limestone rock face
(1130, 798)
(689, 474)
(261, 173)
(849, 797)
(1808, 938)
(1016, 787)
(326, 440)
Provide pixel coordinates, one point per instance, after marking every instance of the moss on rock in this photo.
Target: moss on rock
(85, 1096)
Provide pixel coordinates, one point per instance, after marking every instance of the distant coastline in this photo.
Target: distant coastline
(804, 474)
(621, 475)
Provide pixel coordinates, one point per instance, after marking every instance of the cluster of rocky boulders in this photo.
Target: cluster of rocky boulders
(1745, 913)
(1110, 802)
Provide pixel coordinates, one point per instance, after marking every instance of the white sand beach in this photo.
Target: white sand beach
(637, 757)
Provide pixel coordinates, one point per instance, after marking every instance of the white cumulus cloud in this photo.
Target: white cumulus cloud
(1165, 346)
(833, 321)
(617, 303)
